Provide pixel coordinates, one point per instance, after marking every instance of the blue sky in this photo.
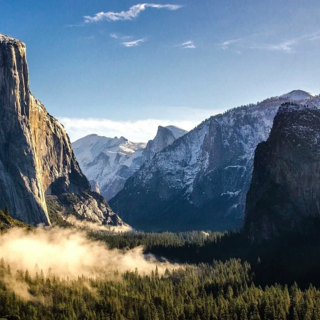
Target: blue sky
(140, 64)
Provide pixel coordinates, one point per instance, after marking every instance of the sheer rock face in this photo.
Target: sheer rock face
(285, 191)
(201, 180)
(36, 157)
(164, 138)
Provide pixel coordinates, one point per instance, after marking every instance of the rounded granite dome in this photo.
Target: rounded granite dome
(297, 95)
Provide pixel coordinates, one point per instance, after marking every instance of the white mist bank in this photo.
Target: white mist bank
(69, 253)
(87, 225)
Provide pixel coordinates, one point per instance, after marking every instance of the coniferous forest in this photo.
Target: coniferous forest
(219, 276)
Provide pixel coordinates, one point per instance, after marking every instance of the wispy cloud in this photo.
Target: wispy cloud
(226, 44)
(119, 36)
(139, 131)
(285, 46)
(127, 44)
(134, 43)
(288, 45)
(114, 36)
(187, 45)
(77, 25)
(132, 13)
(253, 42)
(315, 36)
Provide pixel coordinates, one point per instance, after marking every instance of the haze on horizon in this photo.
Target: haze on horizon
(123, 68)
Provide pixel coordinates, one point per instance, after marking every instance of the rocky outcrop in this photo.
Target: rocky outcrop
(201, 180)
(95, 186)
(110, 162)
(36, 157)
(165, 137)
(284, 195)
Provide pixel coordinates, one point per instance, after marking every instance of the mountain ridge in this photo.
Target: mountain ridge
(109, 162)
(201, 180)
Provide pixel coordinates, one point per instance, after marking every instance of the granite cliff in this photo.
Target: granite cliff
(284, 195)
(37, 163)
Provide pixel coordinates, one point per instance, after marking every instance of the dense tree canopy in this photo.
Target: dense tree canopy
(222, 291)
(225, 289)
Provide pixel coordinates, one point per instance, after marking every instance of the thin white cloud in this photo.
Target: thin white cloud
(134, 43)
(226, 44)
(313, 36)
(119, 36)
(285, 46)
(137, 130)
(289, 45)
(187, 45)
(77, 25)
(132, 13)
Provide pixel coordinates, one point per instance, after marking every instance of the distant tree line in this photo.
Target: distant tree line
(285, 260)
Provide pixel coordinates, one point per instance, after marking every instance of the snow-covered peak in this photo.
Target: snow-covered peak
(177, 132)
(165, 137)
(94, 139)
(297, 95)
(109, 162)
(91, 146)
(104, 160)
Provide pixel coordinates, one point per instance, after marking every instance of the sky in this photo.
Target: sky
(121, 68)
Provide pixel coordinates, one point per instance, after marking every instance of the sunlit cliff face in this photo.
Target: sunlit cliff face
(36, 156)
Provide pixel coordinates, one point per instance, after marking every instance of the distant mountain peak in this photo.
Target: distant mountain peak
(165, 137)
(109, 162)
(297, 95)
(176, 131)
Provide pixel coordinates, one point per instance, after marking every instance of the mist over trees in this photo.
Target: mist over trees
(227, 289)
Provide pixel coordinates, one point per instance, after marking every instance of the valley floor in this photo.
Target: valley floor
(215, 284)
